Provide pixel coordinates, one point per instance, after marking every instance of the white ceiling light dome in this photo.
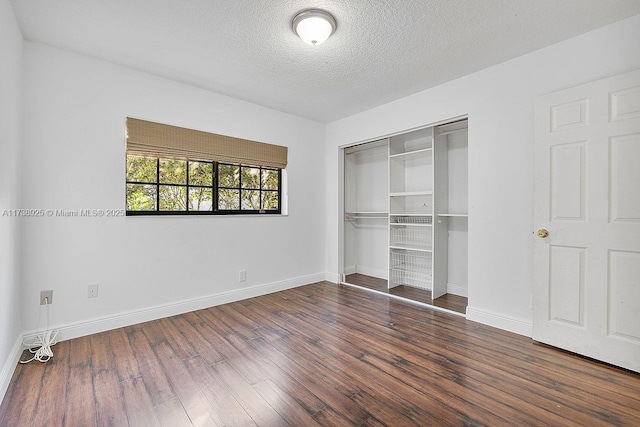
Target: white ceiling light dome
(314, 26)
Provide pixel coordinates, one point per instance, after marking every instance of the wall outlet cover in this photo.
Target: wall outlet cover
(46, 297)
(92, 291)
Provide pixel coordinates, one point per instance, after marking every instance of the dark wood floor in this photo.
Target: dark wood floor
(321, 354)
(449, 301)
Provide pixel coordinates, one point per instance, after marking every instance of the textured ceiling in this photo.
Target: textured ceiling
(382, 50)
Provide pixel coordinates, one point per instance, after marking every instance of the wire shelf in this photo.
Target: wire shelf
(410, 268)
(410, 278)
(419, 237)
(406, 219)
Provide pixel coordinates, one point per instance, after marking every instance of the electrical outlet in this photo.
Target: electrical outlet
(92, 291)
(242, 275)
(46, 297)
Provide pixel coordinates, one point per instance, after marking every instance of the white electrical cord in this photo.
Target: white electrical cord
(40, 345)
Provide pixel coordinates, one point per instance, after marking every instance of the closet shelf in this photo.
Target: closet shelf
(411, 193)
(416, 248)
(458, 215)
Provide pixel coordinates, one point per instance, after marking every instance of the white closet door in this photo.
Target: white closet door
(587, 270)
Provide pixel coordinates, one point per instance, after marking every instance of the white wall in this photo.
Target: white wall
(499, 102)
(74, 158)
(10, 94)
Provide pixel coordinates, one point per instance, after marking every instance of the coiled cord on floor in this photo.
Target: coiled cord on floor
(40, 345)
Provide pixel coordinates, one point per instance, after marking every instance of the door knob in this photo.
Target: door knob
(542, 233)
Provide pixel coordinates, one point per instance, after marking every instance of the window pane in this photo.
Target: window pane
(269, 179)
(270, 200)
(173, 198)
(251, 200)
(200, 173)
(250, 177)
(228, 176)
(141, 169)
(200, 199)
(228, 199)
(173, 172)
(141, 197)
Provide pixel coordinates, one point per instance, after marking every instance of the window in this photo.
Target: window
(172, 186)
(248, 188)
(174, 170)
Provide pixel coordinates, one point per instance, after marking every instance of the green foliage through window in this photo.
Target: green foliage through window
(180, 186)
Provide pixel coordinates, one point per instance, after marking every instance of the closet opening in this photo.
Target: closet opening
(405, 229)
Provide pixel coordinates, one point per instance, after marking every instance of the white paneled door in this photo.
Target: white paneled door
(587, 218)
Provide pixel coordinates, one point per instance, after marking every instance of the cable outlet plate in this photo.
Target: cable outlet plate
(46, 297)
(92, 291)
(242, 275)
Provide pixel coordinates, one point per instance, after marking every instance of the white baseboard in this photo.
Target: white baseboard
(457, 289)
(106, 323)
(517, 326)
(351, 269)
(373, 272)
(332, 277)
(10, 366)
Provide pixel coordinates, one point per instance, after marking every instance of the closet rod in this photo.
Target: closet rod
(451, 131)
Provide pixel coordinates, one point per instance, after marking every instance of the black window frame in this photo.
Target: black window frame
(215, 187)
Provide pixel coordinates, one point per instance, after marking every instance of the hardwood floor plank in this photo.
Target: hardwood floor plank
(194, 402)
(22, 397)
(109, 399)
(52, 402)
(244, 307)
(193, 334)
(390, 413)
(171, 413)
(176, 339)
(331, 388)
(292, 386)
(80, 351)
(250, 360)
(138, 404)
(219, 397)
(249, 370)
(101, 354)
(236, 322)
(154, 333)
(81, 406)
(257, 408)
(153, 375)
(328, 417)
(286, 406)
(125, 361)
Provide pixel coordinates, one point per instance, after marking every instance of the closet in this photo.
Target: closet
(366, 210)
(406, 210)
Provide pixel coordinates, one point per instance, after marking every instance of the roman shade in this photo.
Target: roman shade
(159, 140)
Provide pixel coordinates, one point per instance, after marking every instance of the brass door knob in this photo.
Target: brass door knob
(542, 233)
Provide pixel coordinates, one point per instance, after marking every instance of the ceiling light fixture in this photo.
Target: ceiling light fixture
(314, 26)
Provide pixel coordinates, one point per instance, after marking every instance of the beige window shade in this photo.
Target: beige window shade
(155, 139)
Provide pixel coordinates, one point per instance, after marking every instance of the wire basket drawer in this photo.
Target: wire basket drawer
(416, 237)
(406, 219)
(410, 268)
